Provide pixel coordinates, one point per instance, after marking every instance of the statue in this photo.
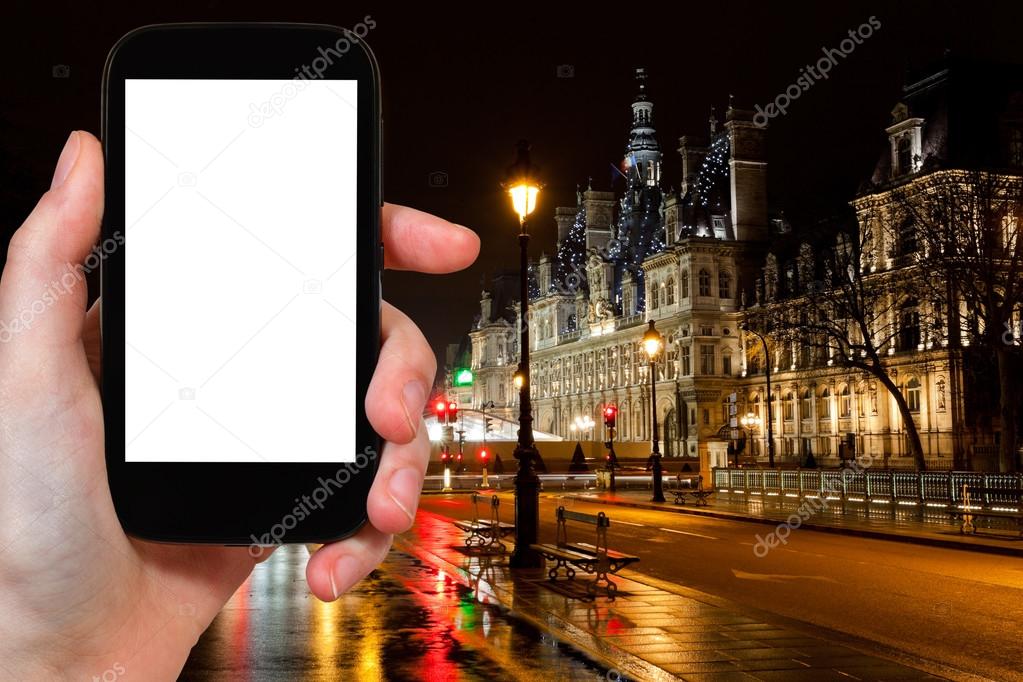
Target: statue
(940, 383)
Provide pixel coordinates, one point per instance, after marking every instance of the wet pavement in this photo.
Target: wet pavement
(653, 630)
(948, 611)
(407, 621)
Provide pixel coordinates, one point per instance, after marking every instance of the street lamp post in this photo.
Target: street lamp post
(749, 421)
(767, 373)
(523, 187)
(653, 344)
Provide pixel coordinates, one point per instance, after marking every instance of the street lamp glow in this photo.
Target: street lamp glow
(583, 423)
(518, 379)
(523, 196)
(522, 184)
(653, 342)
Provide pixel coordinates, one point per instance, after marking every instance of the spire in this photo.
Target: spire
(642, 161)
(713, 122)
(642, 109)
(641, 84)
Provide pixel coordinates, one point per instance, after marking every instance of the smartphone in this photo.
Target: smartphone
(240, 293)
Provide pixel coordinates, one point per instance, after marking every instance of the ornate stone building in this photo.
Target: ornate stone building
(711, 256)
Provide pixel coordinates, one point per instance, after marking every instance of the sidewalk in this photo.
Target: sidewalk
(878, 521)
(654, 630)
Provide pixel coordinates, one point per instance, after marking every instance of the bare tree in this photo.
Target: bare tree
(841, 313)
(965, 229)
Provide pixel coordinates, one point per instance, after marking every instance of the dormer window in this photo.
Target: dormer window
(905, 137)
(904, 155)
(720, 228)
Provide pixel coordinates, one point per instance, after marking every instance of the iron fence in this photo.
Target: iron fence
(947, 489)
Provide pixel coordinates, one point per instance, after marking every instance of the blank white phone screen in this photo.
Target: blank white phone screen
(240, 270)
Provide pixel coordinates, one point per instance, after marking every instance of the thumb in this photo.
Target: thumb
(43, 289)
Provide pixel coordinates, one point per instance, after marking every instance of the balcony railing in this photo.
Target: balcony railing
(945, 489)
(630, 321)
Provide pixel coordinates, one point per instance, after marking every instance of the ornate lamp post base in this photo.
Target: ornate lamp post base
(527, 512)
(658, 472)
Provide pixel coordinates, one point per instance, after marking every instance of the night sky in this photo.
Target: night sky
(462, 85)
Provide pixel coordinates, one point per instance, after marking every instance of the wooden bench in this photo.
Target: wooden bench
(691, 485)
(974, 503)
(593, 558)
(485, 536)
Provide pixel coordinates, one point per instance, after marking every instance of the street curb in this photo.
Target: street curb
(946, 543)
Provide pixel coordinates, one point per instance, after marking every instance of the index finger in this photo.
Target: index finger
(414, 240)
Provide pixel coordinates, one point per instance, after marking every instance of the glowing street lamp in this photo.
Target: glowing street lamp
(653, 345)
(750, 421)
(583, 423)
(767, 374)
(523, 187)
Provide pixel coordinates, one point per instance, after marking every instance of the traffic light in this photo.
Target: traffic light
(488, 425)
(610, 416)
(484, 456)
(452, 412)
(441, 410)
(444, 456)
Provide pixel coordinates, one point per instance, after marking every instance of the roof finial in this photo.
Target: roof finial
(641, 82)
(589, 183)
(713, 121)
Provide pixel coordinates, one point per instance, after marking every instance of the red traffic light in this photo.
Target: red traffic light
(610, 415)
(483, 455)
(452, 410)
(444, 456)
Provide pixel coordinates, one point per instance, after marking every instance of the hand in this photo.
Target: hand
(78, 598)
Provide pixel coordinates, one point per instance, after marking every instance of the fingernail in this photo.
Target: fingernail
(67, 159)
(413, 400)
(404, 488)
(343, 575)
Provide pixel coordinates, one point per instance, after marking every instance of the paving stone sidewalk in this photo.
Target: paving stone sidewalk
(653, 630)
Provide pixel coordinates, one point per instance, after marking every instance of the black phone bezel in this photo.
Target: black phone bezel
(240, 503)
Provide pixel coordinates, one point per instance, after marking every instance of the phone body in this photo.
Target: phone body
(240, 281)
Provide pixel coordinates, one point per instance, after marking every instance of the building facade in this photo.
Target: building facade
(697, 260)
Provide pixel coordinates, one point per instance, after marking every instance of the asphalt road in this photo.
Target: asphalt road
(959, 608)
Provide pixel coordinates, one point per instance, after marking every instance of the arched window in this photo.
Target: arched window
(654, 295)
(669, 294)
(704, 277)
(724, 284)
(684, 281)
(787, 406)
(913, 394)
(904, 155)
(756, 404)
(845, 403)
(824, 411)
(806, 404)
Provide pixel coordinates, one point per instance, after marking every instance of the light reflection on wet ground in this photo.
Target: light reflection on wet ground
(406, 621)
